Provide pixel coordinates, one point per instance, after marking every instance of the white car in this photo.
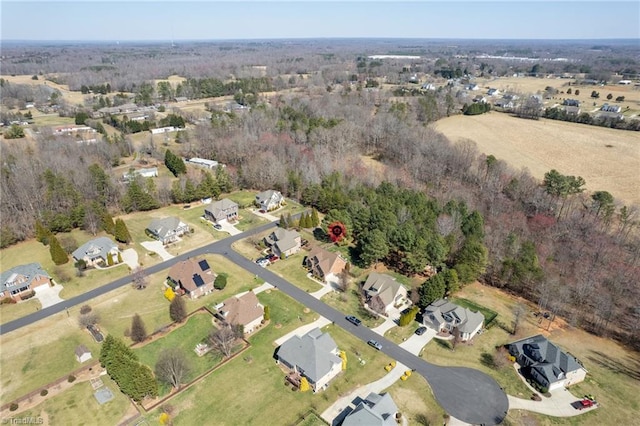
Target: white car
(263, 262)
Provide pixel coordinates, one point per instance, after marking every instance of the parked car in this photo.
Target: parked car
(353, 320)
(585, 403)
(420, 331)
(218, 227)
(263, 262)
(375, 344)
(272, 258)
(95, 332)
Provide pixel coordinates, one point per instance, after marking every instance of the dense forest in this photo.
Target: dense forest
(408, 196)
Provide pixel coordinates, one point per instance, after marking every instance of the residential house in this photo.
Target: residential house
(167, 230)
(546, 363)
(21, 279)
(479, 99)
(429, 86)
(192, 276)
(493, 92)
(503, 103)
(472, 86)
(284, 242)
(374, 410)
(221, 210)
(203, 162)
(386, 289)
(314, 356)
(611, 108)
(269, 200)
(83, 354)
(97, 252)
(244, 310)
(180, 99)
(324, 264)
(571, 102)
(167, 129)
(572, 110)
(145, 173)
(443, 315)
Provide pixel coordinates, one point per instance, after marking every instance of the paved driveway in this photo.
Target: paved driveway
(229, 228)
(558, 405)
(387, 325)
(48, 296)
(130, 257)
(157, 247)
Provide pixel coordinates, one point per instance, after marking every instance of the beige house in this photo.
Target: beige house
(314, 356)
(243, 309)
(386, 289)
(194, 277)
(284, 242)
(324, 264)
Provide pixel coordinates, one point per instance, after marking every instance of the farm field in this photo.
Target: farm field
(607, 159)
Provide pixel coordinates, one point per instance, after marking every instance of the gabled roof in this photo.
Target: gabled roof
(283, 239)
(326, 261)
(374, 410)
(81, 350)
(21, 276)
(384, 286)
(312, 354)
(265, 196)
(162, 227)
(242, 309)
(191, 274)
(545, 357)
(218, 208)
(445, 311)
(98, 247)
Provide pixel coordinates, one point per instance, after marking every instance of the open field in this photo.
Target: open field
(607, 159)
(613, 375)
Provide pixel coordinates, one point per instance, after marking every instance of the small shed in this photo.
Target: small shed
(83, 354)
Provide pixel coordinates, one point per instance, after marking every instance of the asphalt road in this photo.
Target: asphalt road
(466, 394)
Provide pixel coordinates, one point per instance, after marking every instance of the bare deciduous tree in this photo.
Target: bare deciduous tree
(172, 367)
(222, 340)
(376, 304)
(518, 313)
(90, 318)
(139, 278)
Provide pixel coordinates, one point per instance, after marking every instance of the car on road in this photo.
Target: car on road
(263, 262)
(420, 331)
(218, 227)
(375, 344)
(353, 320)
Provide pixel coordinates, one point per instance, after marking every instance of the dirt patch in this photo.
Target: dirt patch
(570, 148)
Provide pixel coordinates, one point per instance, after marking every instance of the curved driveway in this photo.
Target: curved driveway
(464, 393)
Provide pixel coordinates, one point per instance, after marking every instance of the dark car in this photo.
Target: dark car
(420, 331)
(218, 227)
(353, 320)
(95, 332)
(375, 344)
(272, 258)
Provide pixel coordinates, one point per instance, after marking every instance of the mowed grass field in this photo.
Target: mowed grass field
(607, 159)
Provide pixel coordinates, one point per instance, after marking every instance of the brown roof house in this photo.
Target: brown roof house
(243, 310)
(385, 289)
(21, 279)
(194, 277)
(284, 242)
(83, 354)
(314, 356)
(221, 210)
(324, 264)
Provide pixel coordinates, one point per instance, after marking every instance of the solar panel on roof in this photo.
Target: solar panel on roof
(197, 279)
(204, 265)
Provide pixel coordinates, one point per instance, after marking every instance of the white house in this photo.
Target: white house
(314, 356)
(83, 354)
(443, 315)
(97, 252)
(203, 162)
(167, 230)
(149, 172)
(269, 200)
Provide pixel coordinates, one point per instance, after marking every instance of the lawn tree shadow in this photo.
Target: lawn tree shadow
(629, 367)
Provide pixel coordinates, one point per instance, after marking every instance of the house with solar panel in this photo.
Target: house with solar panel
(192, 277)
(547, 364)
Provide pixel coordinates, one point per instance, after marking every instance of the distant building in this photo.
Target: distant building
(203, 162)
(145, 173)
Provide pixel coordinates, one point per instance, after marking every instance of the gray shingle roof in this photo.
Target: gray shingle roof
(442, 310)
(283, 239)
(374, 410)
(162, 227)
(98, 247)
(218, 209)
(28, 272)
(383, 286)
(312, 354)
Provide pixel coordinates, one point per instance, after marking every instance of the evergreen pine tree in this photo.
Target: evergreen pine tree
(122, 233)
(315, 220)
(283, 222)
(119, 257)
(107, 223)
(58, 255)
(303, 220)
(109, 259)
(43, 234)
(138, 330)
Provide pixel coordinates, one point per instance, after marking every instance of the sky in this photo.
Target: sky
(160, 20)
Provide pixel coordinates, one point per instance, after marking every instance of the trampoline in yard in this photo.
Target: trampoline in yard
(103, 395)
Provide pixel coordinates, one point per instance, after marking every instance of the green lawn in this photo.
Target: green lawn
(186, 337)
(260, 381)
(52, 120)
(249, 220)
(292, 270)
(489, 315)
(349, 303)
(311, 419)
(78, 406)
(400, 334)
(242, 198)
(416, 401)
(9, 312)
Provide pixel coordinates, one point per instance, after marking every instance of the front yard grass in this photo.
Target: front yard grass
(416, 402)
(292, 270)
(10, 312)
(400, 334)
(249, 220)
(258, 393)
(78, 406)
(349, 304)
(186, 337)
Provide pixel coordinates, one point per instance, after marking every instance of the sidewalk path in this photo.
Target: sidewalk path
(319, 323)
(263, 287)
